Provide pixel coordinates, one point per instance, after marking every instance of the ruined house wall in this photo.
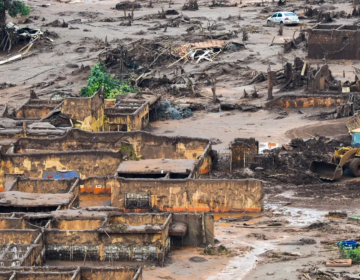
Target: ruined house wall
(138, 220)
(242, 152)
(5, 275)
(133, 121)
(76, 224)
(33, 255)
(90, 274)
(147, 145)
(292, 44)
(115, 122)
(73, 245)
(150, 146)
(87, 163)
(33, 112)
(290, 101)
(42, 186)
(88, 111)
(98, 185)
(140, 119)
(205, 195)
(195, 234)
(36, 108)
(93, 238)
(12, 223)
(338, 44)
(18, 236)
(70, 273)
(45, 276)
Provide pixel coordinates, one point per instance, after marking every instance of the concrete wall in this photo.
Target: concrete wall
(122, 237)
(42, 186)
(12, 223)
(133, 121)
(199, 233)
(73, 245)
(337, 41)
(291, 101)
(88, 112)
(242, 152)
(144, 144)
(107, 274)
(98, 185)
(76, 224)
(18, 236)
(71, 273)
(185, 195)
(87, 163)
(35, 109)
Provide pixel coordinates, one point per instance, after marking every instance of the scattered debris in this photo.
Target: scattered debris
(213, 250)
(171, 111)
(339, 263)
(191, 5)
(197, 259)
(127, 5)
(57, 23)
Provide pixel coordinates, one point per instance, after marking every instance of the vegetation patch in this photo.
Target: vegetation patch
(112, 86)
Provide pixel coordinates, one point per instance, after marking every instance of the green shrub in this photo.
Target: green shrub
(112, 86)
(18, 7)
(14, 8)
(353, 254)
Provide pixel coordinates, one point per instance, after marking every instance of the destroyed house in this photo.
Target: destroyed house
(116, 237)
(127, 116)
(21, 244)
(97, 236)
(178, 195)
(70, 273)
(334, 42)
(38, 195)
(88, 154)
(142, 172)
(88, 113)
(187, 195)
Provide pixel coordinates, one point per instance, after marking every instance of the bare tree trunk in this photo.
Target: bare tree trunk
(213, 89)
(2, 24)
(2, 17)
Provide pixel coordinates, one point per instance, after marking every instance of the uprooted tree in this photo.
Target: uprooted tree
(13, 8)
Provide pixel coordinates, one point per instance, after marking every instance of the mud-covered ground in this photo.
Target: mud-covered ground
(264, 246)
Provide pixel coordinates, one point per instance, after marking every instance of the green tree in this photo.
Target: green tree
(112, 86)
(14, 8)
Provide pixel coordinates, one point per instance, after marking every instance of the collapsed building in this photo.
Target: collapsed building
(166, 173)
(39, 217)
(159, 190)
(87, 113)
(319, 88)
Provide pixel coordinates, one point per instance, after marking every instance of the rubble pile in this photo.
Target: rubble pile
(291, 162)
(169, 111)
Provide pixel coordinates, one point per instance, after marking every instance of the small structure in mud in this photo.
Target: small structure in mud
(334, 42)
(243, 151)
